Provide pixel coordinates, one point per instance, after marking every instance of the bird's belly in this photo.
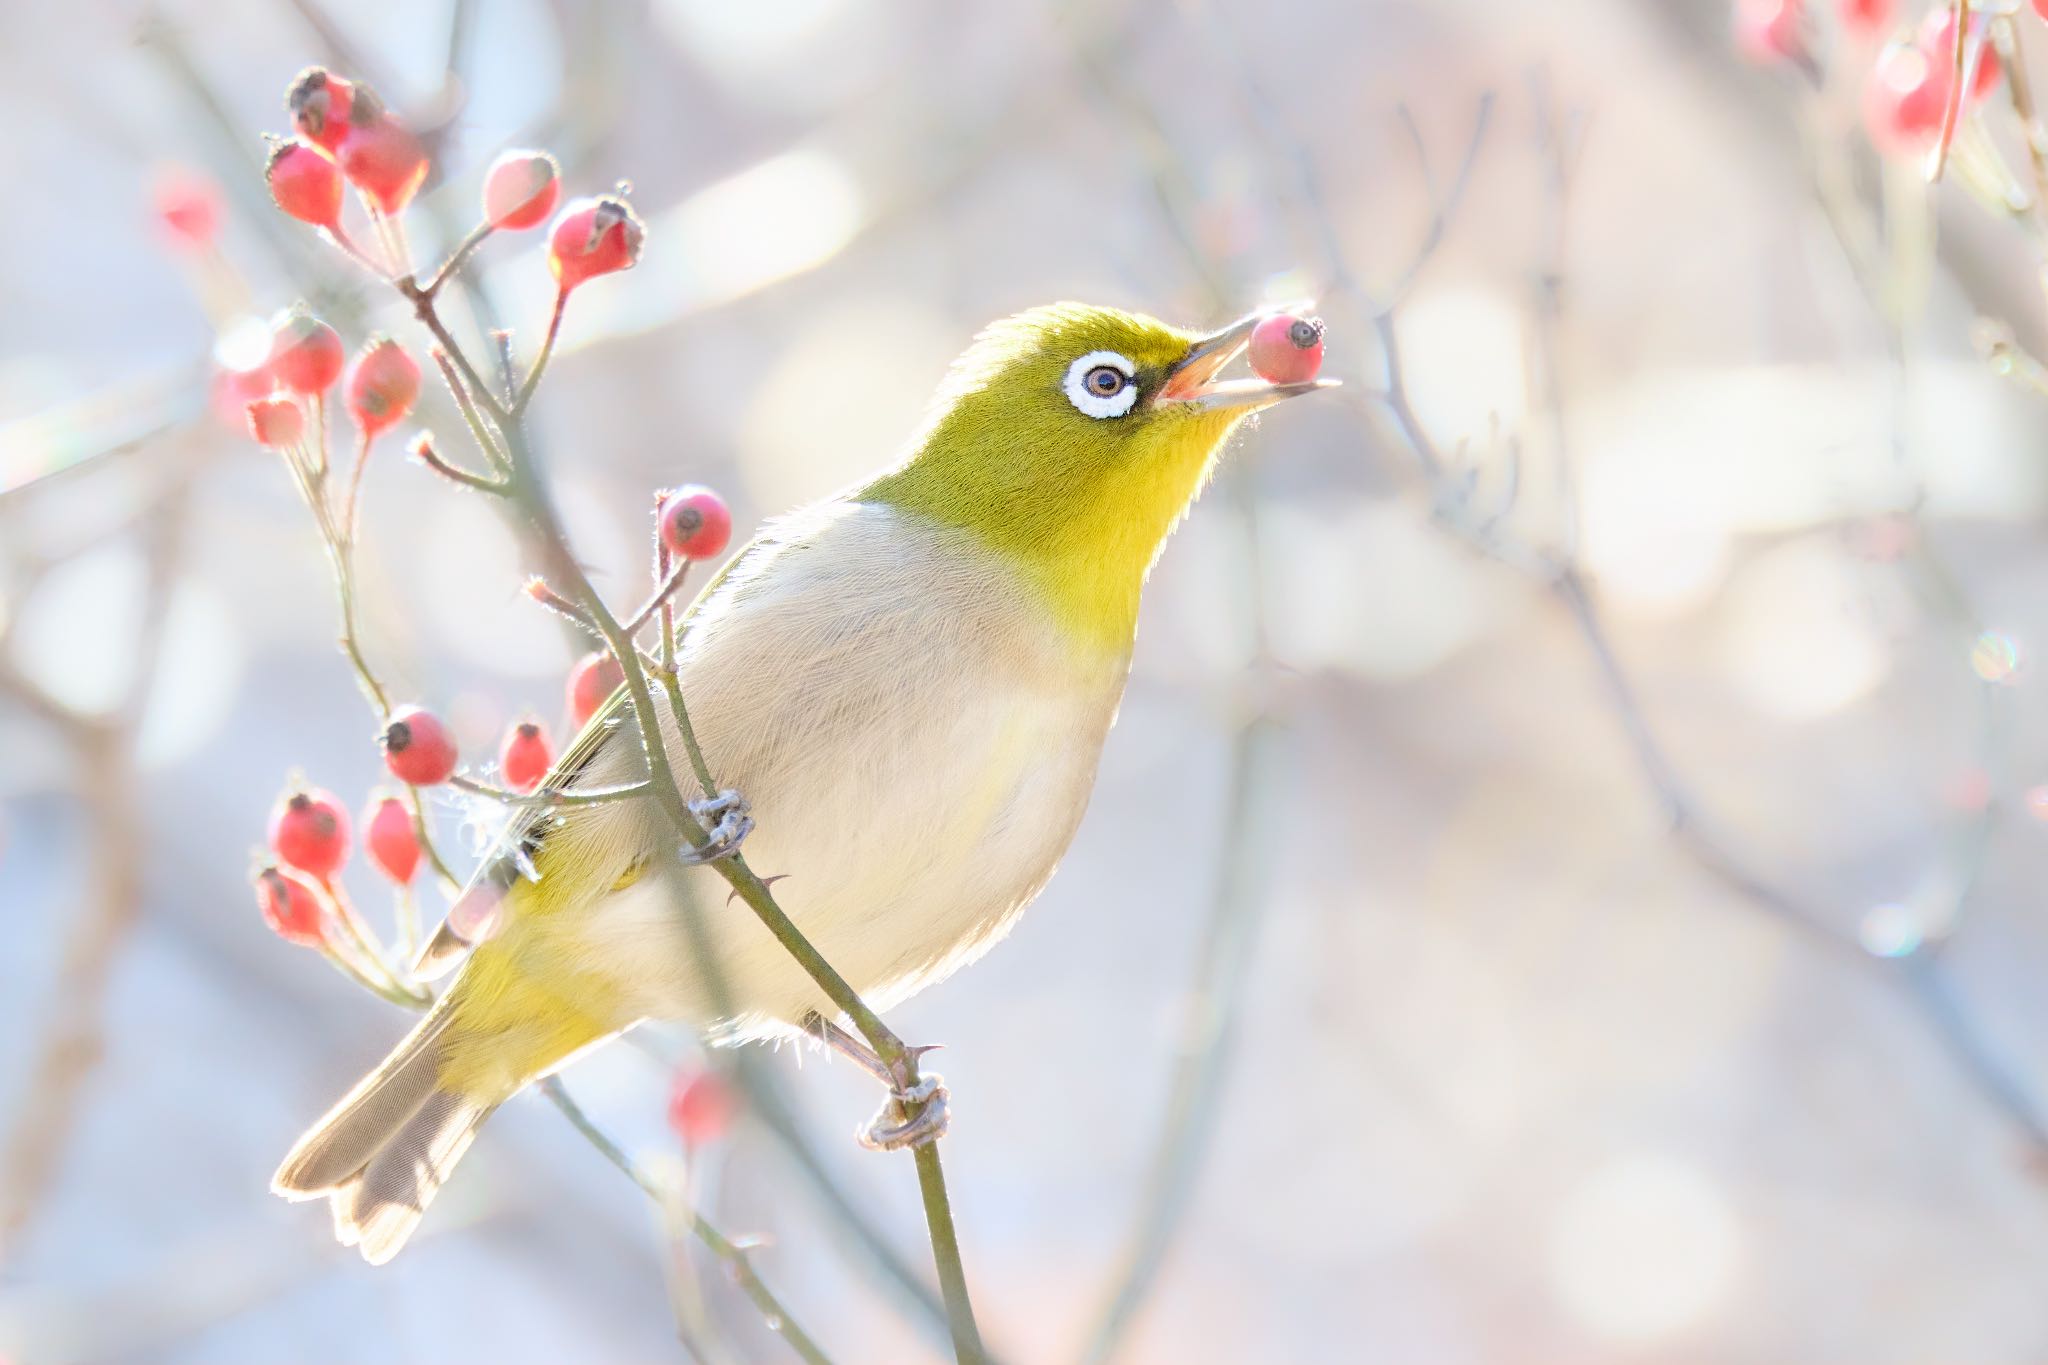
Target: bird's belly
(916, 765)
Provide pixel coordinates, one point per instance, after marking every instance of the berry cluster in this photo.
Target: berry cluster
(344, 140)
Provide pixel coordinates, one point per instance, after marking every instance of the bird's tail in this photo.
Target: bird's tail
(380, 1155)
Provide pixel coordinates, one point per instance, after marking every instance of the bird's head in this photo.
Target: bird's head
(1073, 438)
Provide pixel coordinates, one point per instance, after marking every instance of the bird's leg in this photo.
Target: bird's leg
(915, 1113)
(729, 820)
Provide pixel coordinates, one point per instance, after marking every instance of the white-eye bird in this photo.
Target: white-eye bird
(910, 683)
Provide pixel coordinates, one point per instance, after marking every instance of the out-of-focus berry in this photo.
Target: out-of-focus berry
(390, 840)
(276, 422)
(596, 676)
(526, 756)
(1768, 31)
(306, 354)
(319, 102)
(383, 386)
(701, 1107)
(188, 205)
(381, 157)
(309, 831)
(521, 189)
(290, 907)
(305, 183)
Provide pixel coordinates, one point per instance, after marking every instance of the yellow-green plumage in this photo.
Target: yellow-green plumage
(910, 683)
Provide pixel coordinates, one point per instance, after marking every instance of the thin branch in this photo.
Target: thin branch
(550, 797)
(735, 1257)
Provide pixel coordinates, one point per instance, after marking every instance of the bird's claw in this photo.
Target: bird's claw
(910, 1117)
(728, 819)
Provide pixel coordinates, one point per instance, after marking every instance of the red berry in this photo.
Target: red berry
(188, 204)
(319, 102)
(276, 422)
(1287, 349)
(1903, 100)
(309, 831)
(695, 522)
(235, 390)
(594, 237)
(305, 353)
(2041, 8)
(381, 158)
(418, 749)
(290, 907)
(1869, 16)
(305, 183)
(521, 189)
(1769, 30)
(526, 756)
(383, 386)
(701, 1106)
(390, 840)
(593, 680)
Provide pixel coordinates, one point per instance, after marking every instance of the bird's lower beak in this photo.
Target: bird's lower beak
(1193, 381)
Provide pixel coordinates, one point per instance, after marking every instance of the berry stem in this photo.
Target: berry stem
(1958, 89)
(320, 432)
(547, 351)
(427, 455)
(455, 259)
(355, 490)
(338, 235)
(664, 594)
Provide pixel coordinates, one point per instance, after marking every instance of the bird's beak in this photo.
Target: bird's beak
(1193, 381)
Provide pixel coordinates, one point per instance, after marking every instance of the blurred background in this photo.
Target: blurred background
(1565, 882)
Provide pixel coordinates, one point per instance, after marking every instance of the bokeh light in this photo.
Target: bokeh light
(1644, 1249)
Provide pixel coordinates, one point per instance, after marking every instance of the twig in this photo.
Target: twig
(737, 1262)
(527, 495)
(548, 796)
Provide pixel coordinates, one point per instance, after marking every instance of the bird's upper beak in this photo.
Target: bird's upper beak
(1193, 380)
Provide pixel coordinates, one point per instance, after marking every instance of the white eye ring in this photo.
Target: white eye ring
(1097, 404)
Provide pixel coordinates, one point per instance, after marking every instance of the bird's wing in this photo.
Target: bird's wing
(519, 851)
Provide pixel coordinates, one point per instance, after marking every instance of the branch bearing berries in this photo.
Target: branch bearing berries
(1287, 349)
(305, 184)
(521, 190)
(276, 423)
(596, 676)
(390, 840)
(306, 354)
(695, 522)
(418, 750)
(319, 102)
(527, 755)
(594, 237)
(383, 386)
(309, 831)
(290, 908)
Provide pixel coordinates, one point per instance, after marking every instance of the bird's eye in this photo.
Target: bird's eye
(1102, 384)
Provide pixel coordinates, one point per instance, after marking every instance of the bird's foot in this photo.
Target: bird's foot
(912, 1116)
(916, 1111)
(728, 819)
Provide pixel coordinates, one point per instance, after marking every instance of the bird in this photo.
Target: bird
(903, 691)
